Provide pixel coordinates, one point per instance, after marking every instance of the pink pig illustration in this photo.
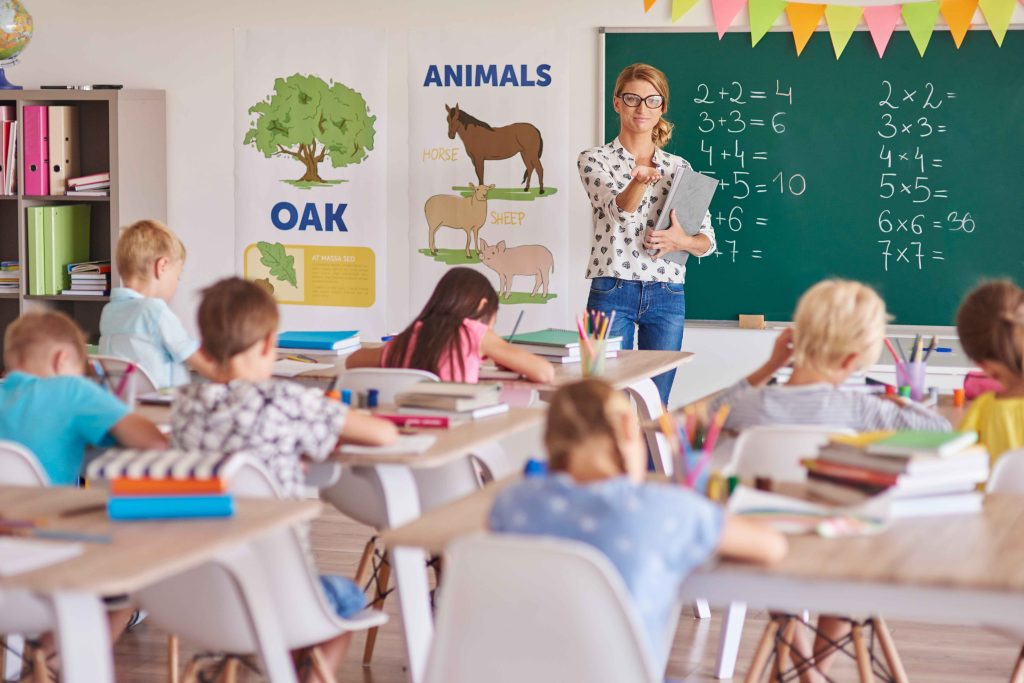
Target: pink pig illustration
(507, 262)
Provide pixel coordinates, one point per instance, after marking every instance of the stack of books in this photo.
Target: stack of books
(336, 343)
(165, 484)
(10, 276)
(915, 473)
(560, 346)
(95, 185)
(57, 236)
(90, 278)
(455, 403)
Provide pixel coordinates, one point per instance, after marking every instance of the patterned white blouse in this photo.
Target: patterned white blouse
(617, 249)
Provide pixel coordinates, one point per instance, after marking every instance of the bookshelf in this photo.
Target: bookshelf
(121, 131)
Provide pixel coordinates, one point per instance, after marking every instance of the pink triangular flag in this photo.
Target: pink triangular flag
(882, 22)
(725, 12)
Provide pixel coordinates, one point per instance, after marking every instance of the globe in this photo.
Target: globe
(15, 33)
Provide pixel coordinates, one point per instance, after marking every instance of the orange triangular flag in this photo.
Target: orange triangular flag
(803, 19)
(958, 15)
(648, 4)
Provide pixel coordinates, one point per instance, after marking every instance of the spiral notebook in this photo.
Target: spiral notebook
(690, 195)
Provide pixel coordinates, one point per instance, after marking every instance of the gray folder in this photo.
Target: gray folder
(690, 195)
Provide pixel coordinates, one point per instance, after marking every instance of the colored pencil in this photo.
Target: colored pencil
(899, 347)
(892, 350)
(516, 326)
(123, 384)
(583, 337)
(931, 347)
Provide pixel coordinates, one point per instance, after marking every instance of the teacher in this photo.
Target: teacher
(627, 181)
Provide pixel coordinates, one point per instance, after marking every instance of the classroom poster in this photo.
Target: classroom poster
(488, 164)
(311, 174)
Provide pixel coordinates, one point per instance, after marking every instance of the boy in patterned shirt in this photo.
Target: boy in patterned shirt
(277, 421)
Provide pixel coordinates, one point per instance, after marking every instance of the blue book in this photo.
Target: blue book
(170, 507)
(327, 341)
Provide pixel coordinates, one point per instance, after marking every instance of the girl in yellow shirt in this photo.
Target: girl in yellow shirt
(990, 323)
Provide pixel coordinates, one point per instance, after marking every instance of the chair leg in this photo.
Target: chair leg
(172, 658)
(323, 671)
(892, 655)
(701, 609)
(1018, 670)
(782, 649)
(230, 673)
(191, 674)
(3, 658)
(40, 673)
(860, 647)
(729, 644)
(763, 652)
(371, 635)
(365, 561)
(13, 666)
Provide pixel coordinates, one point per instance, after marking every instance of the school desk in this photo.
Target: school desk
(141, 554)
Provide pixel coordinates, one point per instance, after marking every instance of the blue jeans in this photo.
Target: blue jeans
(657, 310)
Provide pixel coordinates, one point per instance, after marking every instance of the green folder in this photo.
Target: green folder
(35, 250)
(65, 240)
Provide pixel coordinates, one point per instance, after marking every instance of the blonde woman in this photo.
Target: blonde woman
(627, 181)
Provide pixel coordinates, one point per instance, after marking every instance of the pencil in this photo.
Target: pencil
(128, 370)
(583, 337)
(892, 350)
(918, 341)
(931, 347)
(516, 326)
(899, 347)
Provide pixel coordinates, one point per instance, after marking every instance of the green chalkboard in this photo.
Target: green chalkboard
(905, 172)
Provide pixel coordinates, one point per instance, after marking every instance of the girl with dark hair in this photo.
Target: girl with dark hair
(453, 334)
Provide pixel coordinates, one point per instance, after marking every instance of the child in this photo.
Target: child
(137, 323)
(839, 328)
(654, 534)
(279, 422)
(452, 335)
(990, 323)
(50, 408)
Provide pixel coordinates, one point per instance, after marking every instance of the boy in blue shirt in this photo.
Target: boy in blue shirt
(137, 324)
(50, 408)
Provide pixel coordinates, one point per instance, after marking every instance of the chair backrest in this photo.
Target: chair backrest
(115, 368)
(387, 381)
(19, 467)
(203, 606)
(517, 608)
(1008, 474)
(775, 451)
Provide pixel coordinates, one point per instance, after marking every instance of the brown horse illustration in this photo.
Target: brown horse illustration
(484, 143)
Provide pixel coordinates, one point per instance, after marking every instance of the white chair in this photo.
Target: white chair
(115, 368)
(517, 608)
(204, 607)
(387, 381)
(20, 613)
(775, 451)
(1008, 474)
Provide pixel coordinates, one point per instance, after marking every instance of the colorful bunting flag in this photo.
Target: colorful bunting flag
(648, 4)
(763, 14)
(803, 19)
(958, 15)
(842, 21)
(881, 22)
(920, 18)
(681, 7)
(725, 12)
(997, 14)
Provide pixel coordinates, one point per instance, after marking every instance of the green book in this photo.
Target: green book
(65, 240)
(550, 337)
(911, 443)
(35, 250)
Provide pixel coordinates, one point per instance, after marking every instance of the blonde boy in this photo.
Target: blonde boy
(137, 324)
(50, 408)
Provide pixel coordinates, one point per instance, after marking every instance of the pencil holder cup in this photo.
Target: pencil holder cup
(913, 375)
(592, 356)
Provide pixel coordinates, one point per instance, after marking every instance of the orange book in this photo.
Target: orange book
(123, 486)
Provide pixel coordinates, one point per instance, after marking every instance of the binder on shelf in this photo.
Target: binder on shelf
(37, 151)
(63, 139)
(35, 250)
(11, 155)
(65, 240)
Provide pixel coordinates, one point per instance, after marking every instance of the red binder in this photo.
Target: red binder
(37, 151)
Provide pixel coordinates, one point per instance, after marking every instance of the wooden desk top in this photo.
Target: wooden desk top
(627, 368)
(142, 553)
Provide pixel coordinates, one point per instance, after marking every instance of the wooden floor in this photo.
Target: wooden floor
(931, 654)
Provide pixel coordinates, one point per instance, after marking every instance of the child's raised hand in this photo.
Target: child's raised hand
(782, 351)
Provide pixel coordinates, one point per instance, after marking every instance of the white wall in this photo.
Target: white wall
(185, 48)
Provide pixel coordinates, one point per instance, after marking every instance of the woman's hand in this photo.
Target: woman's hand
(645, 175)
(673, 238)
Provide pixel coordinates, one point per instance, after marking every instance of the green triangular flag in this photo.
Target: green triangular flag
(763, 14)
(842, 20)
(920, 18)
(997, 14)
(681, 7)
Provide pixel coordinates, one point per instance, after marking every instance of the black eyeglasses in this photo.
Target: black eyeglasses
(633, 100)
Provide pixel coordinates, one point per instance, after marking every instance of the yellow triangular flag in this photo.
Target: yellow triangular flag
(681, 7)
(958, 15)
(920, 19)
(648, 4)
(842, 21)
(803, 19)
(997, 14)
(763, 14)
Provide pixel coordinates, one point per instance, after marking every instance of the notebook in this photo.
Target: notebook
(911, 443)
(690, 195)
(294, 368)
(317, 340)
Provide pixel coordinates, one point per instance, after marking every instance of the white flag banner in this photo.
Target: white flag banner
(311, 174)
(488, 163)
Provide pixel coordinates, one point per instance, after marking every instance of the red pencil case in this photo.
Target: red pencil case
(977, 383)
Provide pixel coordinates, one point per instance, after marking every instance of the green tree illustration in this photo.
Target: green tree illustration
(305, 111)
